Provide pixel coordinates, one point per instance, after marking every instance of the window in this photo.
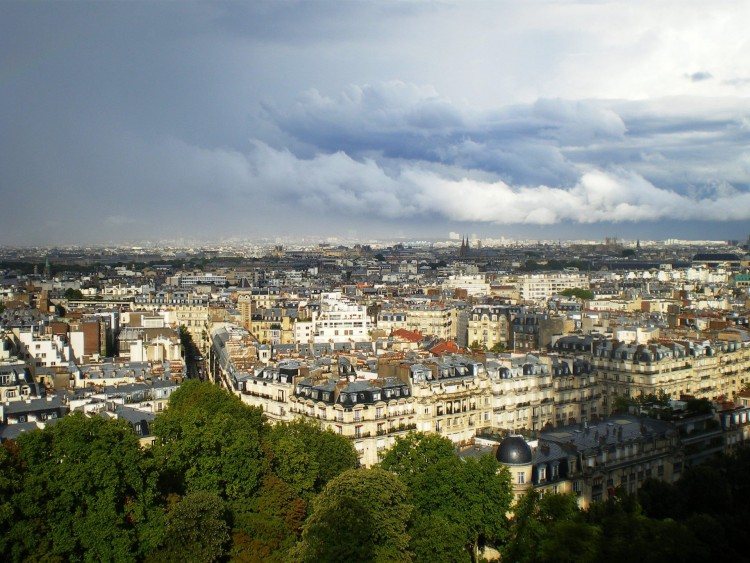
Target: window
(521, 476)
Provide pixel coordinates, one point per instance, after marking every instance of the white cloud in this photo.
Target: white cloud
(342, 185)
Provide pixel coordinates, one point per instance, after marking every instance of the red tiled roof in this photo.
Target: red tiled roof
(447, 347)
(409, 335)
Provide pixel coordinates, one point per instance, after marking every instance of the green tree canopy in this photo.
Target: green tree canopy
(414, 453)
(209, 440)
(361, 515)
(84, 494)
(578, 293)
(74, 294)
(267, 527)
(474, 494)
(306, 456)
(550, 528)
(435, 538)
(197, 530)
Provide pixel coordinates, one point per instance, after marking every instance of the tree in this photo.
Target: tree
(474, 494)
(570, 541)
(550, 528)
(414, 453)
(267, 527)
(659, 499)
(361, 515)
(306, 456)
(85, 493)
(622, 404)
(577, 292)
(435, 538)
(477, 346)
(73, 294)
(10, 484)
(209, 440)
(197, 530)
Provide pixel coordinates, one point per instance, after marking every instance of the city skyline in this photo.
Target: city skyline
(542, 120)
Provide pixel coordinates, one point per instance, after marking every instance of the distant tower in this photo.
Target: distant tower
(464, 252)
(47, 269)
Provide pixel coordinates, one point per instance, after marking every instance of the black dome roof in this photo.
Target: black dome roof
(513, 450)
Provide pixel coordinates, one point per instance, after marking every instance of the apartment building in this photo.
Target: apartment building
(532, 393)
(438, 321)
(16, 382)
(488, 326)
(539, 287)
(50, 350)
(593, 461)
(707, 370)
(273, 325)
(190, 280)
(339, 320)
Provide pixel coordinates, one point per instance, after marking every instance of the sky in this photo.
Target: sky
(131, 121)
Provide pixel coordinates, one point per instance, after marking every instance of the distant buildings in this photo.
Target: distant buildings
(375, 343)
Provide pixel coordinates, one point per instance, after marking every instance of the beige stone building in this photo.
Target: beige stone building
(488, 326)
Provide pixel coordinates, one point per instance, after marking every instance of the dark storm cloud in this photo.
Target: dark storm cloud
(130, 120)
(549, 143)
(397, 120)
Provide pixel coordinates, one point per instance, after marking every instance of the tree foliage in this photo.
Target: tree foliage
(85, 493)
(267, 527)
(578, 293)
(197, 530)
(73, 294)
(414, 453)
(306, 456)
(473, 495)
(361, 515)
(208, 440)
(550, 528)
(221, 483)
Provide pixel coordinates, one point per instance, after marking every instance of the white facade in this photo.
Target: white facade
(473, 284)
(47, 351)
(303, 331)
(339, 320)
(538, 287)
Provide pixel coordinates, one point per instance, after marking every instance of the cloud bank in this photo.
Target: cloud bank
(129, 121)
